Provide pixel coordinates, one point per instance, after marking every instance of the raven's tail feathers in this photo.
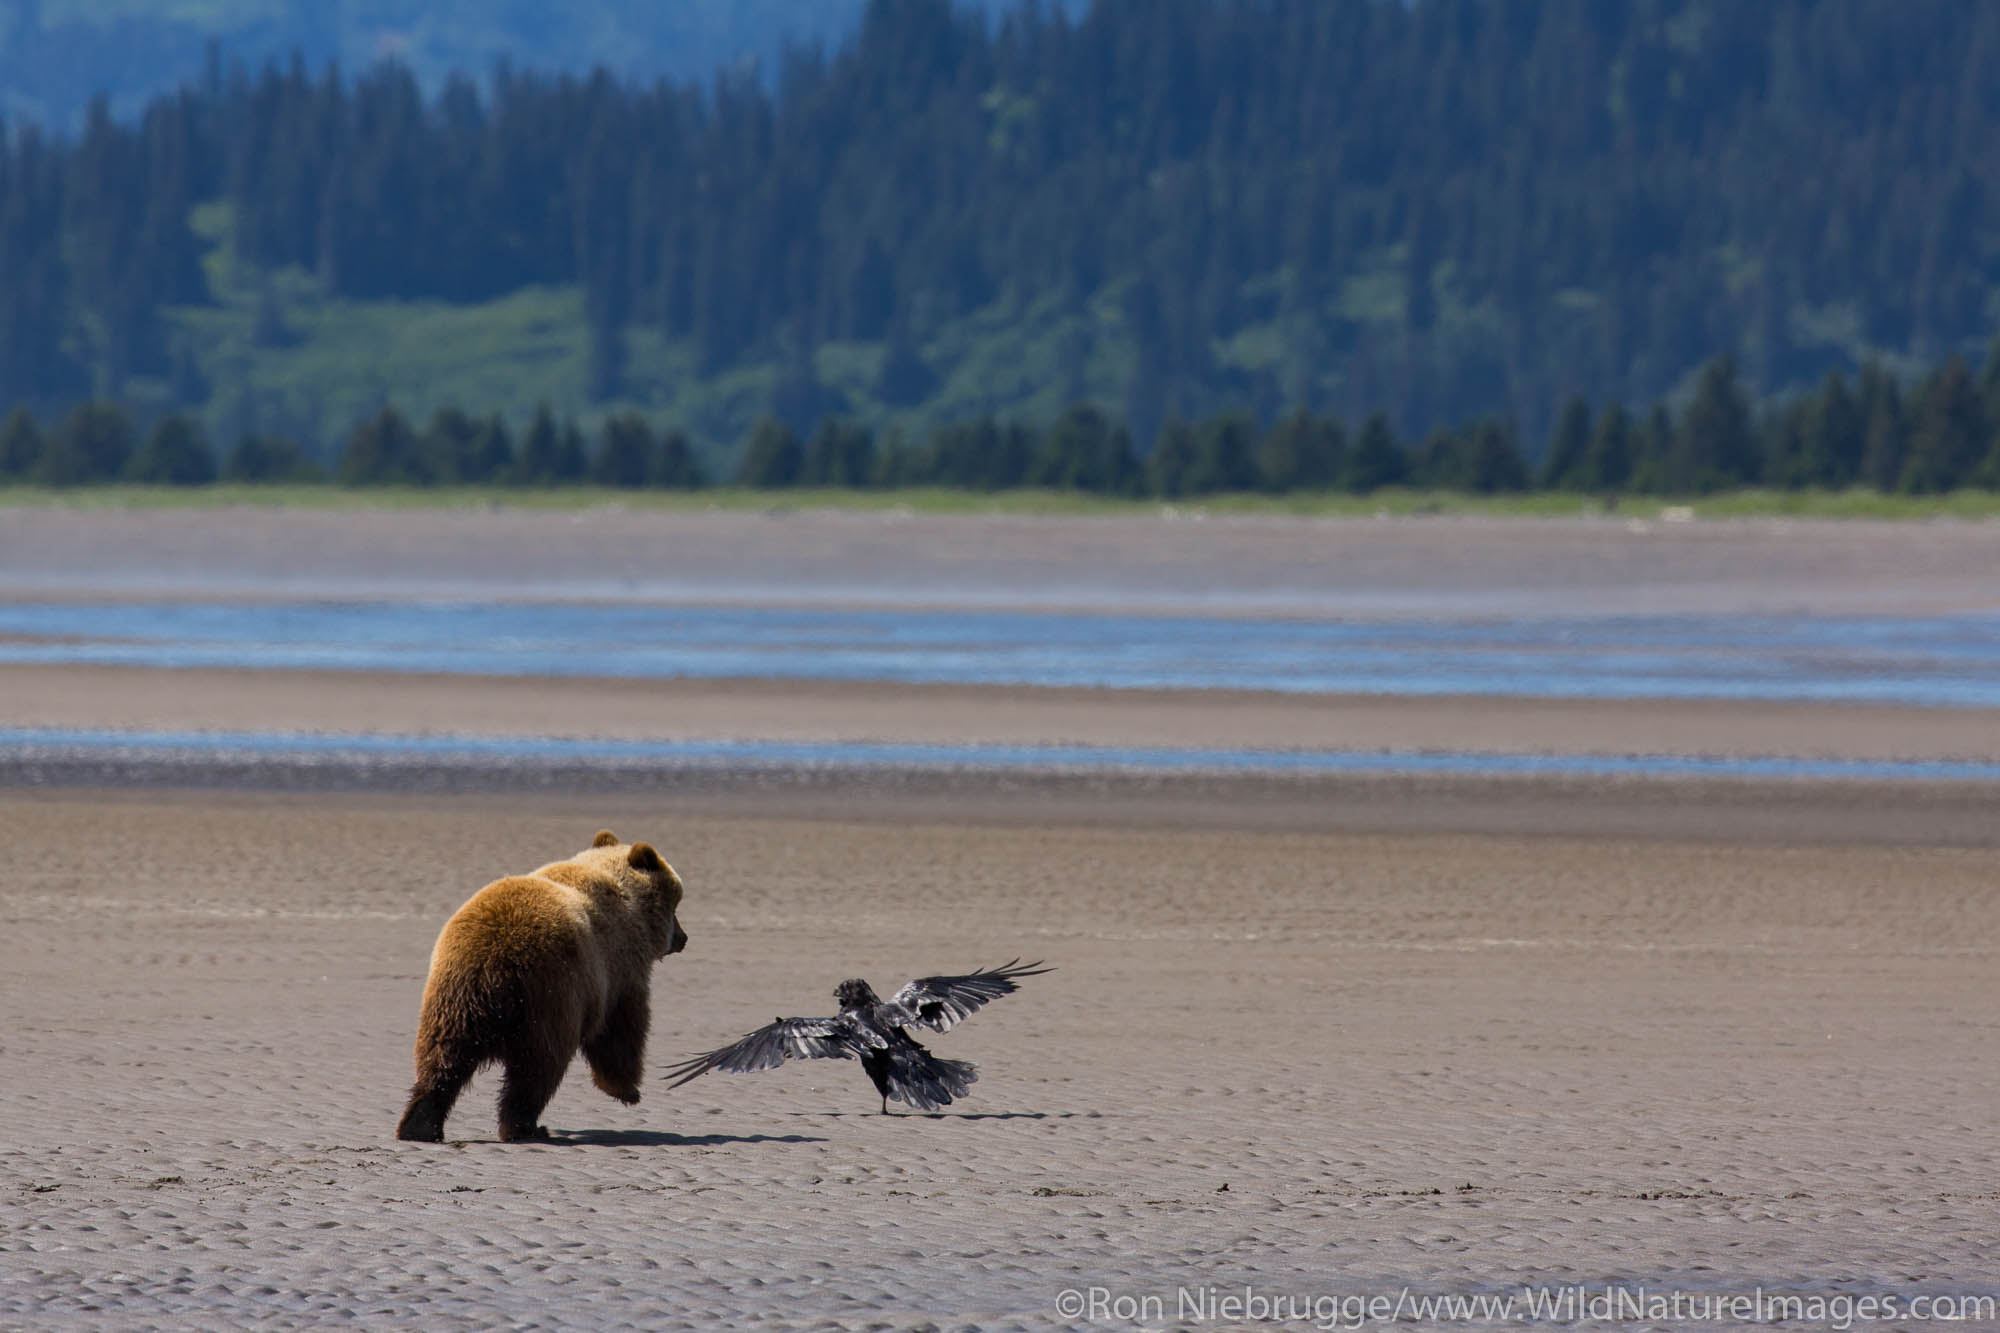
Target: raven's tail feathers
(918, 1078)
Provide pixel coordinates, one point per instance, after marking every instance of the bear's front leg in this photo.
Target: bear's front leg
(617, 1052)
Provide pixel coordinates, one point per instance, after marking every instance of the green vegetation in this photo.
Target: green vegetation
(1848, 446)
(320, 364)
(334, 362)
(1397, 503)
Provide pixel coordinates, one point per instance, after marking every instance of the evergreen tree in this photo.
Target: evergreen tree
(1225, 454)
(896, 461)
(1716, 448)
(1301, 452)
(269, 458)
(1835, 435)
(492, 457)
(91, 444)
(984, 455)
(381, 451)
(950, 455)
(1986, 474)
(20, 446)
(1439, 463)
(1376, 459)
(1989, 382)
(1564, 467)
(771, 456)
(1653, 453)
(572, 460)
(540, 461)
(448, 451)
(840, 453)
(1607, 465)
(1172, 462)
(1786, 457)
(1951, 434)
(1885, 436)
(1116, 469)
(1009, 456)
(625, 452)
(676, 466)
(174, 454)
(1494, 463)
(1085, 451)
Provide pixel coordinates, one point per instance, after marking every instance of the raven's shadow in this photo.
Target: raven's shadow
(654, 1138)
(952, 1115)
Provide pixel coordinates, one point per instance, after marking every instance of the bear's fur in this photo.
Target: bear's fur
(534, 968)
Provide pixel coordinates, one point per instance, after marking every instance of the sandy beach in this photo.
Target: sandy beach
(1444, 1061)
(1348, 1039)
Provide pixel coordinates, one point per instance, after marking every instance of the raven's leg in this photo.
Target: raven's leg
(877, 1066)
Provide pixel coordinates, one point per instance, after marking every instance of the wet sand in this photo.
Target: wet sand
(1328, 1063)
(1347, 567)
(335, 702)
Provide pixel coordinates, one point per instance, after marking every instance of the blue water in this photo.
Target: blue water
(30, 744)
(1949, 661)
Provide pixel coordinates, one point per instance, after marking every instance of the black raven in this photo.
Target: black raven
(872, 1029)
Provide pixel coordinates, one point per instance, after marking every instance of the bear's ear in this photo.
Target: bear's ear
(605, 838)
(643, 857)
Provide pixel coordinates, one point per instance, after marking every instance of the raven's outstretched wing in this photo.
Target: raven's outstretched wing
(941, 1003)
(786, 1039)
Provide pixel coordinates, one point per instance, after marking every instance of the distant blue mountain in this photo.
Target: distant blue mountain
(57, 55)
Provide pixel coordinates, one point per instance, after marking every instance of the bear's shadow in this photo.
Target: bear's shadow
(654, 1138)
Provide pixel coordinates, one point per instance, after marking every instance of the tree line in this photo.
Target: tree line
(1438, 208)
(1936, 435)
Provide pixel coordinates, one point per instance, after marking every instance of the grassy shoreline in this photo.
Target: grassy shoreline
(1746, 504)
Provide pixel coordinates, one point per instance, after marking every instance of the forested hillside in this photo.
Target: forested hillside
(55, 55)
(1442, 210)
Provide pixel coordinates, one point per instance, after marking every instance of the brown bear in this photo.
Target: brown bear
(535, 967)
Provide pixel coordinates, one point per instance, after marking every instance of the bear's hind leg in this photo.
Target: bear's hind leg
(439, 1081)
(533, 1075)
(617, 1052)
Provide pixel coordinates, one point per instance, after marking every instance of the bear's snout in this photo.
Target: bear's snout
(679, 941)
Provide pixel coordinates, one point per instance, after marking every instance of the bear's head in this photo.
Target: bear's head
(649, 881)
